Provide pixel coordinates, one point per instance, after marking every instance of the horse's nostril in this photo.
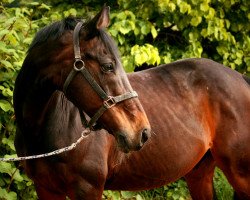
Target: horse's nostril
(144, 136)
(122, 141)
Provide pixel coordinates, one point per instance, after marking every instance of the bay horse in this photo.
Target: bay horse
(199, 114)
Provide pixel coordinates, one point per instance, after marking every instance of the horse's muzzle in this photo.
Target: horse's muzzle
(127, 144)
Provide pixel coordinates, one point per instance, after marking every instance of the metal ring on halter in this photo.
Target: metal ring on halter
(77, 62)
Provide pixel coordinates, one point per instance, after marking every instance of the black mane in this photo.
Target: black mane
(58, 28)
(53, 31)
(27, 75)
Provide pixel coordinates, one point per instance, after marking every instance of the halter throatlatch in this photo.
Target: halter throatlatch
(79, 66)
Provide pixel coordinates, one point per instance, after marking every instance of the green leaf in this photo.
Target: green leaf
(27, 40)
(171, 7)
(145, 54)
(72, 12)
(6, 167)
(127, 194)
(124, 30)
(204, 6)
(121, 39)
(44, 6)
(5, 105)
(7, 195)
(17, 176)
(3, 32)
(128, 63)
(195, 21)
(7, 64)
(247, 61)
(113, 32)
(145, 29)
(6, 92)
(9, 142)
(8, 1)
(114, 195)
(184, 7)
(12, 39)
(154, 32)
(121, 16)
(211, 13)
(34, 3)
(138, 197)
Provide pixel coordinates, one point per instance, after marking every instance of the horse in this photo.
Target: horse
(198, 111)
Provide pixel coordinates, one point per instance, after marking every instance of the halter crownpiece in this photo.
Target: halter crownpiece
(79, 66)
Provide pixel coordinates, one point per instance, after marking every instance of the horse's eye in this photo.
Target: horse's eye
(107, 67)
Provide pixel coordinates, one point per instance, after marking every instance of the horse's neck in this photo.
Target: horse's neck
(30, 105)
(43, 106)
(61, 123)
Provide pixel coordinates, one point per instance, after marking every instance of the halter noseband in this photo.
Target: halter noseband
(79, 66)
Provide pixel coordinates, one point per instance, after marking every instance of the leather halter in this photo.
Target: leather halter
(79, 66)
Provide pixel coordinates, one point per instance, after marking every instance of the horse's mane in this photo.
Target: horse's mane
(27, 75)
(53, 31)
(58, 28)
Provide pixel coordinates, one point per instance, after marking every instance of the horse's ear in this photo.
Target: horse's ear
(101, 20)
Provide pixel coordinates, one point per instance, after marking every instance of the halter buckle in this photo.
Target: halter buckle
(109, 103)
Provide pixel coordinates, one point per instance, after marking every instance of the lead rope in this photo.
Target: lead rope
(84, 134)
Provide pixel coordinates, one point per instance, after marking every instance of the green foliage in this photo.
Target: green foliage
(173, 191)
(122, 195)
(223, 190)
(16, 32)
(218, 30)
(148, 33)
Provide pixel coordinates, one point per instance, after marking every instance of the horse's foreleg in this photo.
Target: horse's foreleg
(231, 152)
(200, 179)
(44, 194)
(238, 175)
(239, 196)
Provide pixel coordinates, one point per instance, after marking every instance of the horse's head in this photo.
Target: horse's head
(89, 71)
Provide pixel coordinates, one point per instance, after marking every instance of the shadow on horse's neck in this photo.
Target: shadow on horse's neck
(61, 122)
(32, 107)
(53, 121)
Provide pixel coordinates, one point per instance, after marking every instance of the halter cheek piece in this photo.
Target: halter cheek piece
(79, 66)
